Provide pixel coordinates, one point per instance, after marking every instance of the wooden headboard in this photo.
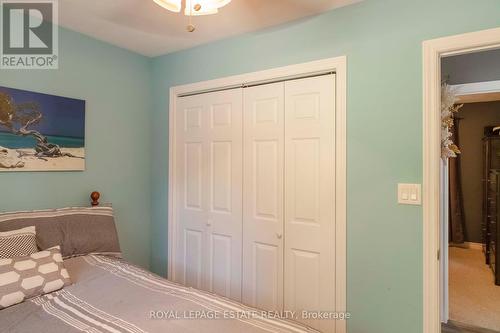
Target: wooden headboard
(94, 197)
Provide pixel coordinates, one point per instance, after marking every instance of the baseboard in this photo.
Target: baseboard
(468, 245)
(475, 246)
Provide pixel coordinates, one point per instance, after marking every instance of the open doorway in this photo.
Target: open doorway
(434, 254)
(470, 203)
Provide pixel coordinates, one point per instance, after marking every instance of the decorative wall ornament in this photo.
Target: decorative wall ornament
(448, 110)
(40, 132)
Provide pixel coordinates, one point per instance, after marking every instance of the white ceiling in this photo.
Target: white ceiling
(144, 27)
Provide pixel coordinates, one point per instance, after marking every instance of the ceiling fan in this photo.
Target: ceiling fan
(193, 8)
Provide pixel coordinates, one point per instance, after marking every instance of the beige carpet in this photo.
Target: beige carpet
(474, 297)
(453, 327)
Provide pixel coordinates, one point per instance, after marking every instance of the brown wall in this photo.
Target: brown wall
(475, 117)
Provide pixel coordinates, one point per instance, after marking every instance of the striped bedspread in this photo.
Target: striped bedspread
(111, 295)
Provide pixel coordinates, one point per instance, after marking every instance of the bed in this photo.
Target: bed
(108, 294)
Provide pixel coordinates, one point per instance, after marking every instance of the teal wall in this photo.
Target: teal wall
(116, 86)
(382, 40)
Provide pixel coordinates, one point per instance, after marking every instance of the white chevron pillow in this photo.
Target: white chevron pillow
(33, 275)
(18, 243)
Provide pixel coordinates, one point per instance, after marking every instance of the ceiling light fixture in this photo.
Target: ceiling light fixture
(193, 7)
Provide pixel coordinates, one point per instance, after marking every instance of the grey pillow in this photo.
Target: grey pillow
(18, 243)
(79, 231)
(37, 274)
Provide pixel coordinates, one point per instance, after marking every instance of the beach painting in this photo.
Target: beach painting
(40, 132)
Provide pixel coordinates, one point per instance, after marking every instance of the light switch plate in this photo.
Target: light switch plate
(409, 194)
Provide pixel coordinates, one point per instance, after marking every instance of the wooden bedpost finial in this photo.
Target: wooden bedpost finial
(95, 198)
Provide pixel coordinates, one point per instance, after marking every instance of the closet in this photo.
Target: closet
(255, 208)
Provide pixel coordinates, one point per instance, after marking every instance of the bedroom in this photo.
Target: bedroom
(127, 101)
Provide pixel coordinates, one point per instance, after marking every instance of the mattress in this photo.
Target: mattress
(111, 295)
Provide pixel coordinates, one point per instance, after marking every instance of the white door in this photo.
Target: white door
(209, 195)
(263, 196)
(310, 197)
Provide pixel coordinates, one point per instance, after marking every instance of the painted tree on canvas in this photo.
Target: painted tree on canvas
(18, 118)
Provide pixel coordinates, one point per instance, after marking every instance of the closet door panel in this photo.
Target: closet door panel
(310, 197)
(224, 222)
(191, 149)
(263, 196)
(209, 212)
(193, 257)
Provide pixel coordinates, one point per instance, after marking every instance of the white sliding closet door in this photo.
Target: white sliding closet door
(263, 196)
(310, 197)
(209, 195)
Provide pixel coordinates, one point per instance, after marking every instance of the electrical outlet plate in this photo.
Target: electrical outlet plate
(410, 194)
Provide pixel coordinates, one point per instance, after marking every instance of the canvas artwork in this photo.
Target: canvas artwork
(40, 132)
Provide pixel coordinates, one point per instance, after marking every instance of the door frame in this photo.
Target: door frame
(444, 230)
(337, 65)
(433, 51)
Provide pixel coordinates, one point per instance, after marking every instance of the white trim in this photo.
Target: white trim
(443, 277)
(474, 246)
(433, 50)
(469, 245)
(477, 88)
(337, 65)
